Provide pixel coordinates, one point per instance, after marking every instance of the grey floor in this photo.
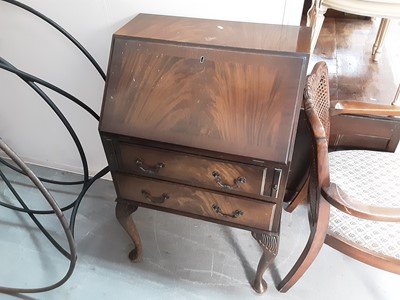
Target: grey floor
(183, 258)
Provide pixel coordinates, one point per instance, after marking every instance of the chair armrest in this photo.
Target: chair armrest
(339, 199)
(363, 108)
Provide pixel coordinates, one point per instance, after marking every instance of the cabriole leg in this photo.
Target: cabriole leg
(123, 213)
(269, 244)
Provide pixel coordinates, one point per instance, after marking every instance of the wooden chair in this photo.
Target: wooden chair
(385, 9)
(353, 195)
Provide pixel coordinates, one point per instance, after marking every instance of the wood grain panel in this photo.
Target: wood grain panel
(196, 170)
(238, 103)
(197, 202)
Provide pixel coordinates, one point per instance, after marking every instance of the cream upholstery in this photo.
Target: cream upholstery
(360, 172)
(379, 237)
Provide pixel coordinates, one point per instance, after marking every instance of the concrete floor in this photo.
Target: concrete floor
(185, 258)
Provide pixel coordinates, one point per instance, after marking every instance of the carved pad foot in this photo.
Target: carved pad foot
(269, 244)
(123, 213)
(134, 255)
(260, 286)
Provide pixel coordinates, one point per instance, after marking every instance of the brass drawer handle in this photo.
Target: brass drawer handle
(158, 200)
(235, 214)
(237, 182)
(149, 169)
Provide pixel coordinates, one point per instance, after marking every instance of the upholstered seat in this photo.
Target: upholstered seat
(356, 171)
(383, 238)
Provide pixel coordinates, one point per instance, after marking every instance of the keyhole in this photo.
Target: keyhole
(202, 59)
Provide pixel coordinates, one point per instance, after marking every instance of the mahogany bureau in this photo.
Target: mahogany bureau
(199, 119)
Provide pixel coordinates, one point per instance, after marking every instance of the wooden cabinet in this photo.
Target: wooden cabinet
(199, 118)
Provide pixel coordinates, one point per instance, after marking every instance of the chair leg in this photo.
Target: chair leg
(301, 196)
(311, 13)
(396, 100)
(380, 36)
(315, 20)
(311, 250)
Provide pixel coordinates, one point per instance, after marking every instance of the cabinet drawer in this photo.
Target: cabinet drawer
(235, 178)
(196, 202)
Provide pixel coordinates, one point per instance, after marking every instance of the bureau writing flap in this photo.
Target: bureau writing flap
(239, 101)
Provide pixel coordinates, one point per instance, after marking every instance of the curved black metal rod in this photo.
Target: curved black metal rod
(73, 135)
(34, 211)
(60, 216)
(75, 138)
(4, 162)
(5, 65)
(63, 119)
(63, 31)
(69, 230)
(34, 219)
(103, 172)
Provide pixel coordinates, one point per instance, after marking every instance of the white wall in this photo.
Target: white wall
(27, 124)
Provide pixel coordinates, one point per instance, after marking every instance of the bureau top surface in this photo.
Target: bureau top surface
(218, 33)
(230, 100)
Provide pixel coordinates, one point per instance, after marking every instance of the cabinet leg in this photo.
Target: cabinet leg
(269, 244)
(123, 213)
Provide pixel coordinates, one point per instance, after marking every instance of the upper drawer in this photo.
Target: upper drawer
(253, 181)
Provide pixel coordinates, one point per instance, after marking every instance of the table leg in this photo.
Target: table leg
(396, 100)
(380, 36)
(269, 244)
(123, 213)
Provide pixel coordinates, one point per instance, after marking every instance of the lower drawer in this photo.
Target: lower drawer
(197, 202)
